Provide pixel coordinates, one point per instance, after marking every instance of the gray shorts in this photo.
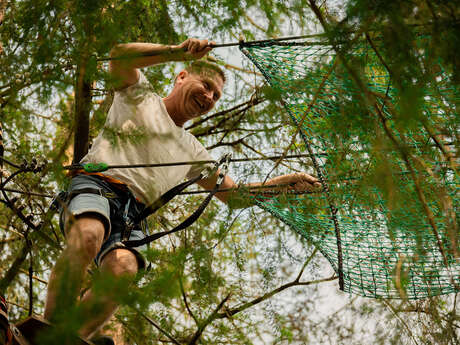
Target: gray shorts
(110, 208)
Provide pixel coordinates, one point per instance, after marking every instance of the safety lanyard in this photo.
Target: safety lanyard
(224, 162)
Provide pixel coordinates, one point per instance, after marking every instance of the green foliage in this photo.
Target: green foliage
(238, 254)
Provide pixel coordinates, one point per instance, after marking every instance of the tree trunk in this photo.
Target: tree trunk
(2, 14)
(82, 110)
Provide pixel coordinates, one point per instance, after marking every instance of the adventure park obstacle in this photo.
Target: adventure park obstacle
(379, 247)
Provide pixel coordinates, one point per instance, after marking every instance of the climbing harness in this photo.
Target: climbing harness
(224, 161)
(64, 198)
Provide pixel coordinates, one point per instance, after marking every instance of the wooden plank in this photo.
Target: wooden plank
(33, 326)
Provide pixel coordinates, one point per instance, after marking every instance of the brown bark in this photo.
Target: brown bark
(2, 14)
(82, 110)
(83, 97)
(11, 273)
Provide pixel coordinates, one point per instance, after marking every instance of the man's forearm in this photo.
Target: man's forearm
(139, 55)
(128, 57)
(245, 195)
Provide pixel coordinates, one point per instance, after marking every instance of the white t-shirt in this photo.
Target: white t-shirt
(138, 130)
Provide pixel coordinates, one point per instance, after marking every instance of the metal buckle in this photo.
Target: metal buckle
(223, 160)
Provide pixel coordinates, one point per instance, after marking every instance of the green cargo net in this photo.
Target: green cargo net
(385, 235)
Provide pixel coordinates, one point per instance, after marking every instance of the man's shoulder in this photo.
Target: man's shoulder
(138, 90)
(197, 146)
(191, 137)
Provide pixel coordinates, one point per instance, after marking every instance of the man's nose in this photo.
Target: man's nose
(209, 95)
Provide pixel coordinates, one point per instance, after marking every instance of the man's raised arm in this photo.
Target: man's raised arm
(128, 57)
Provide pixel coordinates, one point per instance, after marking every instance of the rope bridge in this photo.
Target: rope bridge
(388, 229)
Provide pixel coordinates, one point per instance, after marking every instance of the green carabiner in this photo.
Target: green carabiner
(95, 167)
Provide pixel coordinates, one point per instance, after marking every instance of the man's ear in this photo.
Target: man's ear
(181, 76)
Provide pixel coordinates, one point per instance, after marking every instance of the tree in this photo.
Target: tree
(225, 279)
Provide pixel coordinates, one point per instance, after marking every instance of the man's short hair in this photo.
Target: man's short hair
(205, 68)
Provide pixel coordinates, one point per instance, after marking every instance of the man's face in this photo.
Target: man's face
(198, 93)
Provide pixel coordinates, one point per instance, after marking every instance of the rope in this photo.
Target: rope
(100, 167)
(173, 50)
(192, 192)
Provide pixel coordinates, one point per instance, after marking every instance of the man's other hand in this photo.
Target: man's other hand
(298, 182)
(195, 49)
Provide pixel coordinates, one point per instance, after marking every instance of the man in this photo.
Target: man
(140, 128)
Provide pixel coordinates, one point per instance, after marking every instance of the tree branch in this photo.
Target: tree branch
(154, 324)
(247, 105)
(401, 320)
(43, 281)
(210, 319)
(14, 268)
(229, 66)
(254, 24)
(184, 298)
(300, 124)
(306, 264)
(231, 143)
(231, 312)
(237, 117)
